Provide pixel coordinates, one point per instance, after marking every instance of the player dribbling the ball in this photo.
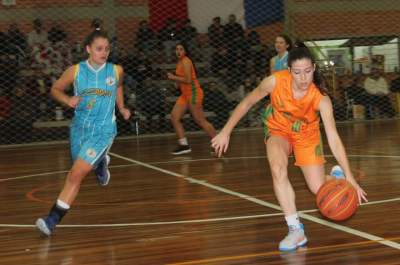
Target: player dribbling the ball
(298, 100)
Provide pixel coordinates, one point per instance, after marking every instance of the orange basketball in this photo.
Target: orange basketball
(337, 200)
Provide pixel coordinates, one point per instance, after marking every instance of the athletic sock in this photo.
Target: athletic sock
(293, 220)
(58, 211)
(183, 141)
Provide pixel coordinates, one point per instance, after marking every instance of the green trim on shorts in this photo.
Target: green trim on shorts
(194, 94)
(319, 149)
(266, 114)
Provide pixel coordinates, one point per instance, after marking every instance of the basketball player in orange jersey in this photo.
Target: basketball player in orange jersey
(191, 98)
(292, 125)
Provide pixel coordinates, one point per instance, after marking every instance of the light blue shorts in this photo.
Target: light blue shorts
(90, 147)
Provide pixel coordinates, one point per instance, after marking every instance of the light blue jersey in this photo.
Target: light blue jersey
(97, 90)
(94, 127)
(281, 63)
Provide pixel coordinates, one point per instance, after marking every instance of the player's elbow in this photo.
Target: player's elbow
(54, 91)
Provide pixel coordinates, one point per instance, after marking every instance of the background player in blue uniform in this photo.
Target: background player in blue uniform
(97, 86)
(283, 44)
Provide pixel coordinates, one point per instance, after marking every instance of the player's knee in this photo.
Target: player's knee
(201, 122)
(175, 118)
(75, 177)
(279, 172)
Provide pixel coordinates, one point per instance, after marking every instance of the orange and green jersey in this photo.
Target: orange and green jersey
(192, 91)
(288, 115)
(296, 120)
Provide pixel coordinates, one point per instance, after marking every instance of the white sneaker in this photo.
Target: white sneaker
(337, 172)
(294, 239)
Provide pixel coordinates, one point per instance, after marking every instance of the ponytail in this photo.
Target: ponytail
(97, 33)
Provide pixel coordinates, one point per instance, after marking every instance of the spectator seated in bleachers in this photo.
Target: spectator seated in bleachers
(168, 36)
(145, 38)
(216, 33)
(38, 85)
(137, 66)
(217, 102)
(8, 65)
(151, 104)
(395, 88)
(18, 125)
(233, 32)
(188, 34)
(232, 91)
(377, 94)
(38, 36)
(220, 61)
(59, 55)
(5, 107)
(354, 90)
(17, 42)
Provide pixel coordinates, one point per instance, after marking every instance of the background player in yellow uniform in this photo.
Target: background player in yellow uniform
(292, 124)
(191, 99)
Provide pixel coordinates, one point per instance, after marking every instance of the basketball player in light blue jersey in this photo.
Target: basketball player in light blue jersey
(283, 45)
(97, 87)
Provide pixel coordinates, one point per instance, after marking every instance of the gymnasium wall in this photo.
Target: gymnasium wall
(305, 19)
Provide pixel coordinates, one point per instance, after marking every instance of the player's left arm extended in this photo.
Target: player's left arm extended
(336, 145)
(334, 141)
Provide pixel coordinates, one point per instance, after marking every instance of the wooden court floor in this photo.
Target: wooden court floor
(196, 209)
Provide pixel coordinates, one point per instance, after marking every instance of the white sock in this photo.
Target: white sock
(293, 220)
(63, 205)
(183, 141)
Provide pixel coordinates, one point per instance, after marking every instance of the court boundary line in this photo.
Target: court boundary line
(138, 163)
(187, 160)
(170, 134)
(300, 251)
(265, 203)
(219, 219)
(302, 214)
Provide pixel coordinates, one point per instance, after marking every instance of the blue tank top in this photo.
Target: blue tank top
(281, 63)
(97, 90)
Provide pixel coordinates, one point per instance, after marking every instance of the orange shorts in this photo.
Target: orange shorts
(307, 148)
(191, 98)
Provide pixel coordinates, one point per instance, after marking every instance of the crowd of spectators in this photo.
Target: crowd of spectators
(373, 92)
(230, 61)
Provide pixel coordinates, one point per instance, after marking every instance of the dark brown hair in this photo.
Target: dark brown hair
(94, 35)
(304, 53)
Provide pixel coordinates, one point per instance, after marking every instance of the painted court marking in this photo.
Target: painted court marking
(221, 219)
(302, 214)
(267, 204)
(186, 161)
